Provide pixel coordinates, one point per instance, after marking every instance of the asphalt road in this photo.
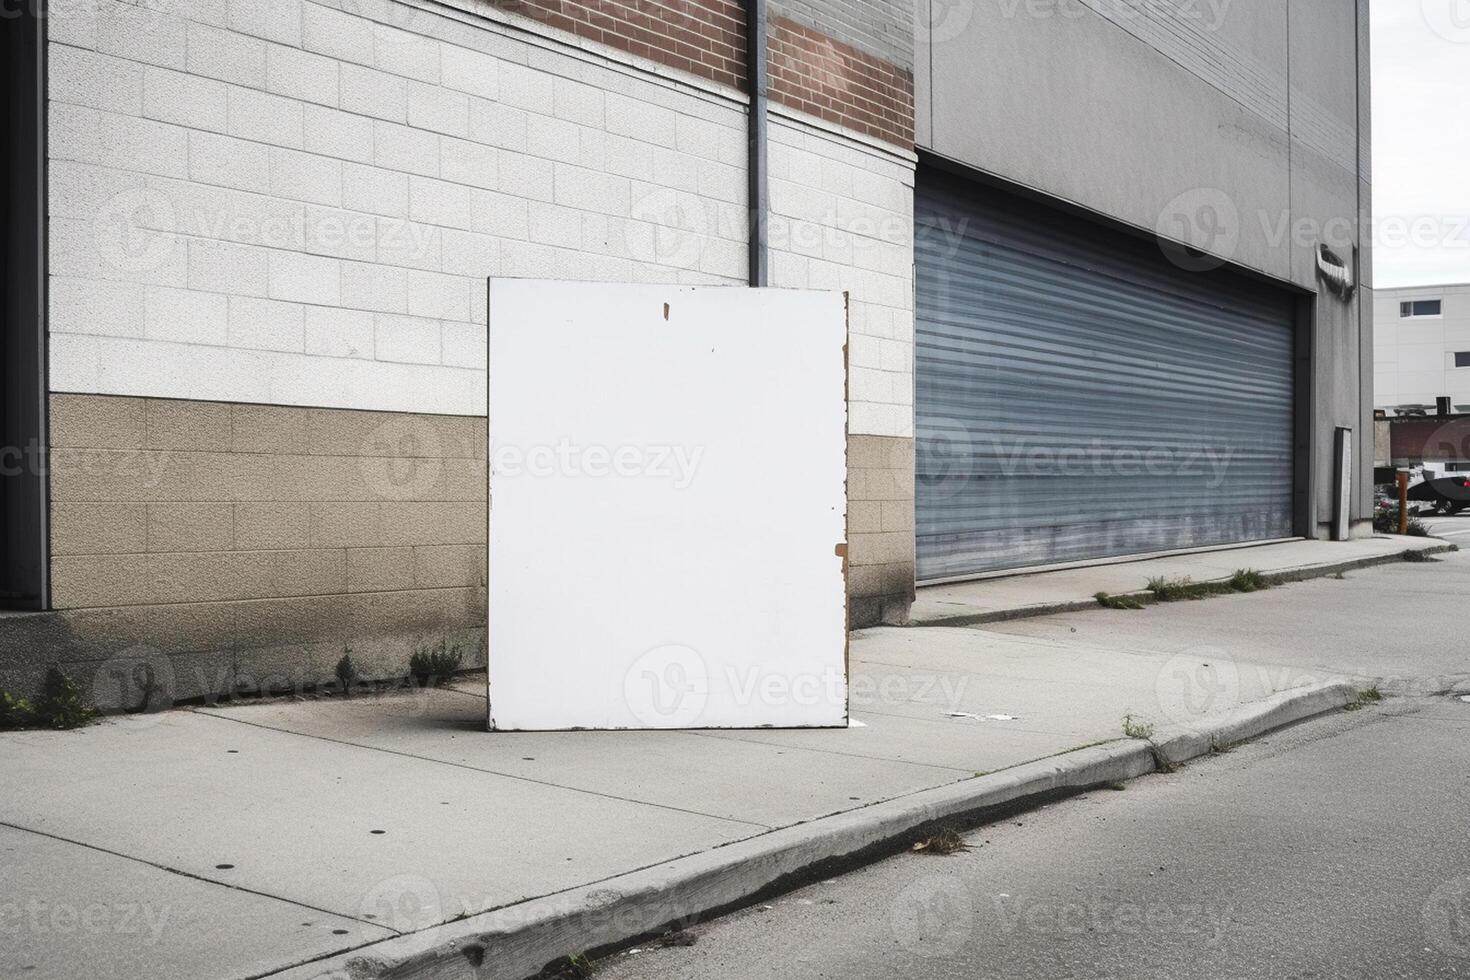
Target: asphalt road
(1456, 528)
(1336, 849)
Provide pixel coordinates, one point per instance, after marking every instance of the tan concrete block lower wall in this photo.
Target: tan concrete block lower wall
(241, 548)
(880, 519)
(251, 545)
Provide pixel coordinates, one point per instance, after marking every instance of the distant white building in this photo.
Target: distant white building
(1421, 348)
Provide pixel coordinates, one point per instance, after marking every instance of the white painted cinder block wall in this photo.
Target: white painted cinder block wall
(297, 202)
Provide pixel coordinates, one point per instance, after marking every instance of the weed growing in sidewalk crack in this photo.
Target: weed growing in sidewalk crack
(1249, 580)
(1415, 556)
(1366, 697)
(1245, 580)
(1084, 745)
(573, 966)
(1144, 732)
(1136, 728)
(943, 843)
(346, 672)
(1117, 601)
(59, 705)
(1176, 589)
(433, 665)
(1161, 761)
(16, 712)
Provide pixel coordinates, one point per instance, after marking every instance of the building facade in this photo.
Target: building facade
(250, 366)
(1421, 349)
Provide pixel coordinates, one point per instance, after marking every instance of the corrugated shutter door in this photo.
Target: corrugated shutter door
(1078, 396)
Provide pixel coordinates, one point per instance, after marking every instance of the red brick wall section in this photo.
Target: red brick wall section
(812, 73)
(705, 38)
(809, 71)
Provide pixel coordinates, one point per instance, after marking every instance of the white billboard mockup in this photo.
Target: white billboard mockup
(667, 506)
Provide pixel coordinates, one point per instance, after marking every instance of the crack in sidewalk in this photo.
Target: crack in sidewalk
(168, 869)
(488, 772)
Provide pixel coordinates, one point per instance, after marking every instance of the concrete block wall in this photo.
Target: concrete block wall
(880, 520)
(271, 538)
(851, 62)
(186, 501)
(842, 218)
(314, 227)
(273, 220)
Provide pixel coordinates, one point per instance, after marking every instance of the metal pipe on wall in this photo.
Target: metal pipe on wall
(1403, 482)
(758, 188)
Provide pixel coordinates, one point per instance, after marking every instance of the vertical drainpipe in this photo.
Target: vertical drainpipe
(43, 293)
(759, 190)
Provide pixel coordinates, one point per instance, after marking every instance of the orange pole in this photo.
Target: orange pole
(1403, 502)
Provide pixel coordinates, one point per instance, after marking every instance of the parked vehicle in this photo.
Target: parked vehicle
(1443, 494)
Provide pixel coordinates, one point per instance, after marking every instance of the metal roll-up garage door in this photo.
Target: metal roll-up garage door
(1079, 396)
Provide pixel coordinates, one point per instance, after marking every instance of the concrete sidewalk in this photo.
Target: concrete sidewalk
(275, 837)
(1004, 597)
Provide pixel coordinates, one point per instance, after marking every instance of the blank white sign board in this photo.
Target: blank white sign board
(667, 506)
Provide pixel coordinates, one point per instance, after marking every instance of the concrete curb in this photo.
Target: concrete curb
(1182, 743)
(516, 942)
(1303, 574)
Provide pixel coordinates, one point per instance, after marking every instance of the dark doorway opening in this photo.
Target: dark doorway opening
(23, 503)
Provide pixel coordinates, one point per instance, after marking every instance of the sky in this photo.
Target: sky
(1421, 142)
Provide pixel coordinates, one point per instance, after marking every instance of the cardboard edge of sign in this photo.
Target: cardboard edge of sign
(840, 549)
